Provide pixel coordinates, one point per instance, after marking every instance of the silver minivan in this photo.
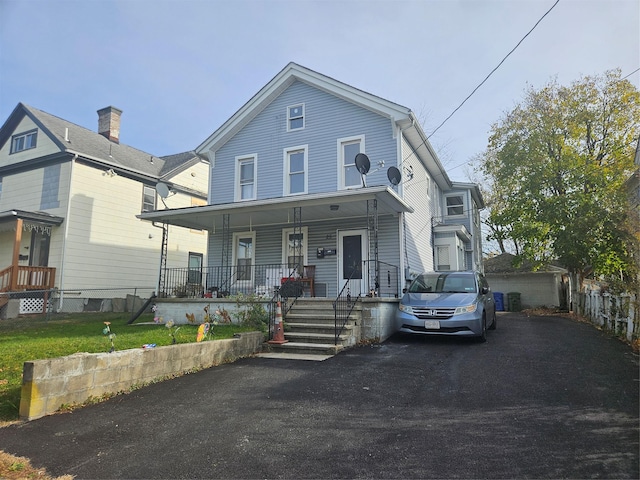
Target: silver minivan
(448, 303)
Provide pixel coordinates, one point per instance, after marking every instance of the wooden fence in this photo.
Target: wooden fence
(616, 313)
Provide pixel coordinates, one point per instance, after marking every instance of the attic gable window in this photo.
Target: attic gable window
(295, 117)
(24, 141)
(148, 199)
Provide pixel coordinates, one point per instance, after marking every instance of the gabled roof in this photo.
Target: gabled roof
(293, 72)
(92, 146)
(504, 263)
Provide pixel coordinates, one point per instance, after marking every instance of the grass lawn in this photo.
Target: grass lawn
(36, 338)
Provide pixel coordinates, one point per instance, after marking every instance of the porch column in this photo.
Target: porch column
(13, 283)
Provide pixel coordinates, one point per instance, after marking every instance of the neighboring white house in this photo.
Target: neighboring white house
(290, 187)
(69, 198)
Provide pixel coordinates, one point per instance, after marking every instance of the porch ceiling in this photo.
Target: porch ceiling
(279, 211)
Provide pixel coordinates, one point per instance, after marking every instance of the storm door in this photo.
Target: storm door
(352, 253)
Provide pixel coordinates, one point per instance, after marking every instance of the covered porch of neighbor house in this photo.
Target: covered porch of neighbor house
(24, 258)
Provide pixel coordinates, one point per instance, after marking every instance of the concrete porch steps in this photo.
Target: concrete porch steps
(309, 328)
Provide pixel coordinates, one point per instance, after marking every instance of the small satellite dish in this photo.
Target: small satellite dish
(162, 189)
(362, 163)
(394, 175)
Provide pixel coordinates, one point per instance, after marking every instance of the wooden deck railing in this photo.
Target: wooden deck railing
(22, 278)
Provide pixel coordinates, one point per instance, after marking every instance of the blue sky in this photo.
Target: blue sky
(179, 69)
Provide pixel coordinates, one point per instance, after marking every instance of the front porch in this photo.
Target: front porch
(18, 277)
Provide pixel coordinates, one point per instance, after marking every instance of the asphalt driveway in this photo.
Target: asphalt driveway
(545, 397)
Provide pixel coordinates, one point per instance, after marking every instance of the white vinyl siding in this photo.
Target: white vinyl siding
(296, 167)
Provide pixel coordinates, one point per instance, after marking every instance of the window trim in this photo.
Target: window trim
(237, 186)
(286, 184)
(341, 167)
(290, 118)
(24, 135)
(234, 255)
(155, 198)
(447, 206)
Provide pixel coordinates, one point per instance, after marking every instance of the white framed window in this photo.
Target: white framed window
(348, 174)
(296, 168)
(24, 141)
(148, 198)
(295, 117)
(294, 248)
(246, 168)
(455, 205)
(443, 260)
(243, 255)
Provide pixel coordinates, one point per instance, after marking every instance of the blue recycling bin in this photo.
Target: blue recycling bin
(498, 297)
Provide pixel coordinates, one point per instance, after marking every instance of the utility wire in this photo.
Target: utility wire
(496, 68)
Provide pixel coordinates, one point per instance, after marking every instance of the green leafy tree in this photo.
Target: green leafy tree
(555, 169)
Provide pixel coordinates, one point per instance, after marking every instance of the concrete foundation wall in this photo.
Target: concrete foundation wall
(49, 384)
(378, 318)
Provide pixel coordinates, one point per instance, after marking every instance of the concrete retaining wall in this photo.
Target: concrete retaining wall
(49, 384)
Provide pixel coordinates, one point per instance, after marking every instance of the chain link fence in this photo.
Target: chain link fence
(77, 300)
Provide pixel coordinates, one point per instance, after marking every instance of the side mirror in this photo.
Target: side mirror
(485, 290)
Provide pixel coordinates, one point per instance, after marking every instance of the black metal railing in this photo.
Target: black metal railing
(344, 303)
(286, 295)
(222, 281)
(383, 279)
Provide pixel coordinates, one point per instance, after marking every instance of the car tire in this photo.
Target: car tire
(494, 324)
(483, 336)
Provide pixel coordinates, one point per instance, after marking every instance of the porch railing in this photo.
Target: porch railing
(27, 278)
(383, 280)
(263, 280)
(21, 278)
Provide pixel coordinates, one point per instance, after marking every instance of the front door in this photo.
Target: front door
(352, 253)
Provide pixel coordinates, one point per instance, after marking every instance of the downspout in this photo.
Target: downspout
(66, 233)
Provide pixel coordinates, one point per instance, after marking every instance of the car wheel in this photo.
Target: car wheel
(494, 324)
(483, 336)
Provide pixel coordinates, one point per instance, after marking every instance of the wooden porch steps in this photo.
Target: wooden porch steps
(309, 328)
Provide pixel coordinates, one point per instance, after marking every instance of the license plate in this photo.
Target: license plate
(432, 324)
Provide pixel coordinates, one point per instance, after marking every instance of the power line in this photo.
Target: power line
(492, 71)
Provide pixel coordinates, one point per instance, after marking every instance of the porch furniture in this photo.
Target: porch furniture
(308, 277)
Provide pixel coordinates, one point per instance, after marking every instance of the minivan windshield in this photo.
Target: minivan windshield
(443, 283)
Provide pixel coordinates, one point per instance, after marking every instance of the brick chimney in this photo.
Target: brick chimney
(109, 123)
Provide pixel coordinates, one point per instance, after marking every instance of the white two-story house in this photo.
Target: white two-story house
(69, 198)
(315, 178)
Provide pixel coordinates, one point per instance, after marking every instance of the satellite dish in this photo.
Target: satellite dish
(162, 189)
(394, 175)
(362, 163)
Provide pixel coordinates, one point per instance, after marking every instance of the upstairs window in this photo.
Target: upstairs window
(295, 117)
(246, 178)
(24, 141)
(349, 175)
(295, 171)
(148, 199)
(455, 205)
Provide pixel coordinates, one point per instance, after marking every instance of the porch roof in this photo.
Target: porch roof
(278, 211)
(7, 218)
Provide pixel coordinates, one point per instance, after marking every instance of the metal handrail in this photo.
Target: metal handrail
(343, 306)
